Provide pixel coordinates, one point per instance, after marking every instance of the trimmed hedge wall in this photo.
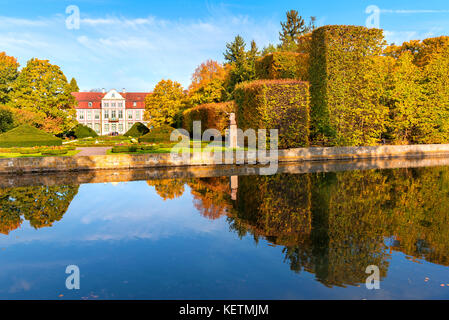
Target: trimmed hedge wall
(275, 104)
(137, 130)
(347, 77)
(211, 115)
(27, 136)
(278, 65)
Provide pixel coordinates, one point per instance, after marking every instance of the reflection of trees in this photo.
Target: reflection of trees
(336, 224)
(40, 205)
(168, 189)
(211, 196)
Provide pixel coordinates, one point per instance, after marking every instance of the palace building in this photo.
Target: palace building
(110, 112)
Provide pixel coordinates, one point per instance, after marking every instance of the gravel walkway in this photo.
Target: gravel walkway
(93, 151)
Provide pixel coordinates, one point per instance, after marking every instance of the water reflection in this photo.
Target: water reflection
(332, 225)
(40, 205)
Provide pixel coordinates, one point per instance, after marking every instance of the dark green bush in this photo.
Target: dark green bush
(27, 136)
(53, 152)
(275, 104)
(160, 134)
(81, 131)
(137, 130)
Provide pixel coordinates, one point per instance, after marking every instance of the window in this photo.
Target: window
(113, 104)
(81, 115)
(130, 124)
(120, 104)
(138, 115)
(89, 125)
(120, 114)
(97, 127)
(134, 104)
(113, 114)
(89, 115)
(130, 114)
(120, 127)
(106, 105)
(89, 104)
(113, 95)
(113, 127)
(106, 114)
(106, 127)
(97, 115)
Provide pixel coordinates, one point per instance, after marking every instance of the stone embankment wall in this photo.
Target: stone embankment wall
(125, 162)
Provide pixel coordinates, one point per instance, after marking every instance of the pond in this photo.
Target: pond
(294, 235)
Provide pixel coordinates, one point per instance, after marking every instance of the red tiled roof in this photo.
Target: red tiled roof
(84, 98)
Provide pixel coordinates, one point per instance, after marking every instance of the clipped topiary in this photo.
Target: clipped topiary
(159, 134)
(28, 136)
(137, 130)
(81, 131)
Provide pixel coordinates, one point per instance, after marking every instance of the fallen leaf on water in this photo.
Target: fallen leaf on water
(442, 285)
(61, 295)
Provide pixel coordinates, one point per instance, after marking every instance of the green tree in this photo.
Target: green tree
(292, 28)
(8, 74)
(241, 62)
(164, 104)
(42, 88)
(6, 119)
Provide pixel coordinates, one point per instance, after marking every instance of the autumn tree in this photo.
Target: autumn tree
(8, 74)
(208, 84)
(164, 104)
(292, 28)
(42, 89)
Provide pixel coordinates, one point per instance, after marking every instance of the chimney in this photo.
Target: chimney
(123, 90)
(103, 90)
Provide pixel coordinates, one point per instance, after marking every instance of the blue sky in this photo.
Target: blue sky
(134, 44)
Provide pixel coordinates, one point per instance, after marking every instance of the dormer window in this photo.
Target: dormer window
(89, 104)
(113, 95)
(134, 104)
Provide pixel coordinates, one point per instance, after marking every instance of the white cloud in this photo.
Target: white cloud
(109, 50)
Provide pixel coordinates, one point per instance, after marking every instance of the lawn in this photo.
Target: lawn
(39, 155)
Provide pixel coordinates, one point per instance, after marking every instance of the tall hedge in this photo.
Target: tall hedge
(278, 65)
(275, 104)
(347, 76)
(211, 115)
(137, 130)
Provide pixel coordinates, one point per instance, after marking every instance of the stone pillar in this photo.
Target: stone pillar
(234, 187)
(232, 131)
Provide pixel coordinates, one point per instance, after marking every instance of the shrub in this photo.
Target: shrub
(81, 131)
(347, 77)
(279, 65)
(137, 130)
(159, 134)
(27, 136)
(275, 104)
(6, 119)
(211, 115)
(53, 151)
